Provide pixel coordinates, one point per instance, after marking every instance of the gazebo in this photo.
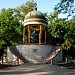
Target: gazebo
(35, 50)
(36, 21)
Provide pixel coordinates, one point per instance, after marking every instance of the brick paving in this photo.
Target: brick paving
(42, 69)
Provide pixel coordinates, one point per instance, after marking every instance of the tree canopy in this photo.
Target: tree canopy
(66, 6)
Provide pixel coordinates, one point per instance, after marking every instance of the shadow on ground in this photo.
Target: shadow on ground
(41, 69)
(4, 66)
(67, 65)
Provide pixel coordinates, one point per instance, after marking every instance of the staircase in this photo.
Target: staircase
(16, 52)
(52, 55)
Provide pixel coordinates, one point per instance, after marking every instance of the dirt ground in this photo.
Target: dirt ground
(40, 69)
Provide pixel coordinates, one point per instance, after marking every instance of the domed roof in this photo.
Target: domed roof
(35, 14)
(35, 17)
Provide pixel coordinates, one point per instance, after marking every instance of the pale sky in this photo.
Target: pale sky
(42, 5)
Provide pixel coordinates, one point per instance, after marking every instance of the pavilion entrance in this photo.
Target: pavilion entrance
(34, 36)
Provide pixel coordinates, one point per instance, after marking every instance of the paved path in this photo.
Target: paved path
(43, 69)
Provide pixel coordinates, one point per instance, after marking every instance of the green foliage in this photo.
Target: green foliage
(56, 28)
(66, 6)
(61, 32)
(22, 10)
(67, 44)
(8, 27)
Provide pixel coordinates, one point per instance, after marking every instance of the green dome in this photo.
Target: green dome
(35, 16)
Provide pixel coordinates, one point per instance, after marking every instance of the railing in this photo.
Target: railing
(52, 54)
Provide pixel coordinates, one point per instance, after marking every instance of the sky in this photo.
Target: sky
(42, 5)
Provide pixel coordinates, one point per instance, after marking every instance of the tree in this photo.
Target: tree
(8, 27)
(61, 32)
(22, 10)
(66, 6)
(56, 29)
(70, 35)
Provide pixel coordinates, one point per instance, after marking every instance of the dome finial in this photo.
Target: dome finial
(35, 8)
